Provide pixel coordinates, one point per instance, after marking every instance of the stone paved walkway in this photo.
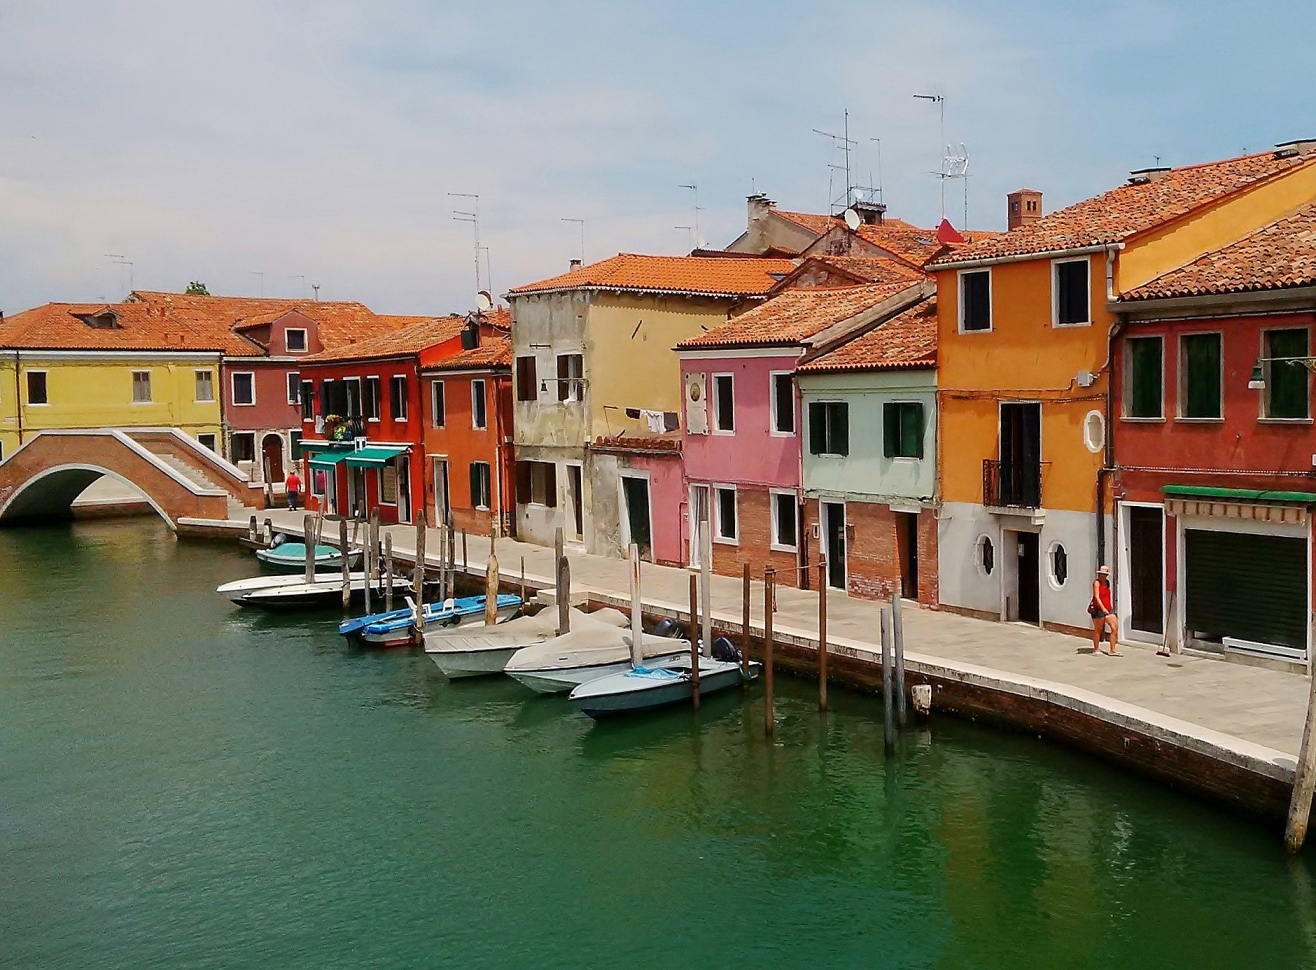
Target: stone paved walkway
(1253, 710)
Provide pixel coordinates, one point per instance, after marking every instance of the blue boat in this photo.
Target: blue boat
(396, 628)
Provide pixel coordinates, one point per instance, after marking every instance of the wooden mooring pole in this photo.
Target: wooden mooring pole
(523, 582)
(769, 578)
(1304, 782)
(822, 632)
(898, 641)
(694, 640)
(744, 630)
(388, 572)
(308, 535)
(888, 715)
(418, 574)
(562, 578)
(465, 558)
(345, 554)
(491, 590)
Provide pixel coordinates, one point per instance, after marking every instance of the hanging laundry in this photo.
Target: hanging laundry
(654, 419)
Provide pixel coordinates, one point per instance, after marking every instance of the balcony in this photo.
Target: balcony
(1011, 484)
(339, 428)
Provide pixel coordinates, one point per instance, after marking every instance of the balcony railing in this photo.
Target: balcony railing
(341, 428)
(1011, 485)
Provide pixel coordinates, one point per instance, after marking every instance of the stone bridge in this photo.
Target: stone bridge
(179, 477)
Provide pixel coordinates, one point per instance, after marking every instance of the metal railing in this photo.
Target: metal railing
(1011, 485)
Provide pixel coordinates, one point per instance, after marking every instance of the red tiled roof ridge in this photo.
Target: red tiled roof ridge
(400, 342)
(732, 276)
(908, 339)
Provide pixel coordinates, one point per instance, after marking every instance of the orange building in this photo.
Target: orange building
(1026, 322)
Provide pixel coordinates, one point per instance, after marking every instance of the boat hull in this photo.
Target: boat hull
(293, 593)
(561, 680)
(655, 688)
(403, 633)
(291, 561)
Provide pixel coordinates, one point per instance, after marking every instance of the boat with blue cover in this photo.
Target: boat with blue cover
(289, 556)
(648, 688)
(396, 628)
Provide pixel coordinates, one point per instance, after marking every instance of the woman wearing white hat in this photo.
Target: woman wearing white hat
(1102, 611)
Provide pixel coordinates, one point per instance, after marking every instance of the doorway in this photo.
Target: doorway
(636, 492)
(833, 514)
(272, 456)
(1146, 584)
(576, 494)
(698, 512)
(356, 492)
(441, 506)
(907, 553)
(1028, 577)
(1020, 476)
(404, 488)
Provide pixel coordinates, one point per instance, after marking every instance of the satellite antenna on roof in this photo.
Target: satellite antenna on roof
(956, 166)
(852, 220)
(483, 301)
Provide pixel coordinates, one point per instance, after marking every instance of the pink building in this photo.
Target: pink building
(741, 441)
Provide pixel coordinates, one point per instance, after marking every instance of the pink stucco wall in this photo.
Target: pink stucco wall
(753, 455)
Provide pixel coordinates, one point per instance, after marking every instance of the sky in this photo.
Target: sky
(269, 147)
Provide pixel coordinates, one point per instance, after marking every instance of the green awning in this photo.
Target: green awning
(328, 459)
(373, 456)
(1240, 494)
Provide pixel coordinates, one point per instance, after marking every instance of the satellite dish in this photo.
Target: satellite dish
(483, 302)
(852, 219)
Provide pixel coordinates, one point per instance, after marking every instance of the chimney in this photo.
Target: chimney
(870, 213)
(1023, 207)
(759, 206)
(573, 266)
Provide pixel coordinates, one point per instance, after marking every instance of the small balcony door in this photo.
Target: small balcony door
(1020, 483)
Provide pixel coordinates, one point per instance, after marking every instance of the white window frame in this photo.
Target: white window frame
(575, 385)
(776, 545)
(488, 480)
(237, 434)
(402, 398)
(149, 390)
(287, 345)
(233, 388)
(1055, 293)
(438, 392)
(27, 386)
(959, 285)
(209, 373)
(213, 444)
(716, 517)
(772, 396)
(1127, 378)
(379, 397)
(483, 395)
(717, 400)
(294, 377)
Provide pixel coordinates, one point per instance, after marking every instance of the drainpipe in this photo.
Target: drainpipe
(1108, 457)
(18, 394)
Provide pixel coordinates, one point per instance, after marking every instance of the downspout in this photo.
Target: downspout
(496, 525)
(18, 394)
(1108, 456)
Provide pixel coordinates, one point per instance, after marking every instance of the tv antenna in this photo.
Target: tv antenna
(581, 223)
(302, 277)
(473, 218)
(256, 272)
(844, 142)
(880, 199)
(940, 101)
(119, 260)
(956, 166)
(488, 275)
(694, 187)
(690, 234)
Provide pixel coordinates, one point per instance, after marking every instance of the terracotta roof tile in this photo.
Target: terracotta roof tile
(694, 275)
(492, 352)
(1277, 256)
(794, 316)
(137, 326)
(908, 339)
(815, 223)
(912, 244)
(1129, 209)
(861, 269)
(417, 335)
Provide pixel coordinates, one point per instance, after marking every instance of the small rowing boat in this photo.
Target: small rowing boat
(398, 628)
(475, 650)
(648, 688)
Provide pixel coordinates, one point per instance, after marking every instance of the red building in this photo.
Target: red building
(363, 414)
(1213, 449)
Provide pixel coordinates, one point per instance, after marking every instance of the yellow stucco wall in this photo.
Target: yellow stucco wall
(637, 368)
(98, 393)
(1022, 358)
(8, 408)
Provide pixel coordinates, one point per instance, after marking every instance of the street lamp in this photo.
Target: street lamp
(1258, 381)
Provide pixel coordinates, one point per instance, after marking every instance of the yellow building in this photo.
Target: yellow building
(125, 365)
(594, 363)
(1025, 323)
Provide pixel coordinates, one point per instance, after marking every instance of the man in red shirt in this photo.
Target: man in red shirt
(294, 485)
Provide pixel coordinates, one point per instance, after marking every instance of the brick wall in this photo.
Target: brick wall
(872, 550)
(754, 510)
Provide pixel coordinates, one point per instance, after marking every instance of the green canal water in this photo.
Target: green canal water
(185, 784)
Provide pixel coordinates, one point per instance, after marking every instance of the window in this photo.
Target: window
(205, 386)
(1200, 354)
(295, 341)
(370, 404)
(902, 429)
(36, 387)
(294, 388)
(1058, 560)
(984, 555)
(397, 390)
(480, 484)
(308, 401)
(725, 504)
(244, 388)
(724, 404)
(570, 370)
(479, 411)
(783, 403)
(352, 387)
(1143, 394)
(1072, 293)
(536, 483)
(141, 387)
(207, 441)
(1287, 393)
(242, 446)
(388, 485)
(976, 300)
(295, 445)
(829, 428)
(783, 520)
(1094, 432)
(525, 379)
(438, 406)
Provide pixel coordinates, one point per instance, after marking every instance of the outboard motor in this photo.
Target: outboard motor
(278, 540)
(667, 627)
(725, 650)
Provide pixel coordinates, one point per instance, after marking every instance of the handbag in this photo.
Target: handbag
(1095, 609)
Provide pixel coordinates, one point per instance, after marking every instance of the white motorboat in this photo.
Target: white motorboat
(587, 652)
(293, 592)
(648, 688)
(476, 650)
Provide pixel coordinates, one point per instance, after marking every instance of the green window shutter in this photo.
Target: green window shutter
(1202, 363)
(1287, 385)
(911, 432)
(1144, 374)
(817, 428)
(890, 430)
(841, 429)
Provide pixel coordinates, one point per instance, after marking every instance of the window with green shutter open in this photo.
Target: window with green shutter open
(1201, 375)
(902, 429)
(1288, 386)
(1143, 375)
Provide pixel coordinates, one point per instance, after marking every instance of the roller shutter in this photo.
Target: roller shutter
(1244, 585)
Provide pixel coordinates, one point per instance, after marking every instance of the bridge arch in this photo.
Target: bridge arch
(49, 494)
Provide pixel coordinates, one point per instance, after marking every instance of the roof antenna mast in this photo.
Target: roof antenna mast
(581, 223)
(694, 187)
(474, 219)
(844, 142)
(940, 101)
